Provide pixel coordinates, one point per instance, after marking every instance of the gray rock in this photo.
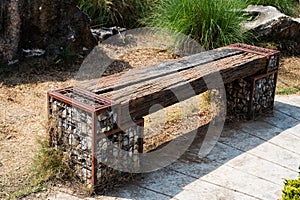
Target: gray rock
(271, 24)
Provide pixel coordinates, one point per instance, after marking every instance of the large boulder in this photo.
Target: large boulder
(42, 24)
(272, 25)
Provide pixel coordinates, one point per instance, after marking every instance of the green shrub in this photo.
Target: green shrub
(125, 13)
(213, 23)
(291, 190)
(285, 6)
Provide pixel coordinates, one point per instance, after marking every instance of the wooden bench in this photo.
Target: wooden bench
(249, 74)
(142, 88)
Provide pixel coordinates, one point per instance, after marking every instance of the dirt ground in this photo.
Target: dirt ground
(23, 112)
(289, 76)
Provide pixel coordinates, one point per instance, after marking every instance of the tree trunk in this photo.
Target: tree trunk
(42, 24)
(9, 29)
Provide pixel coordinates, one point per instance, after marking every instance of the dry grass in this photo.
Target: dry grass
(289, 76)
(23, 109)
(176, 120)
(22, 121)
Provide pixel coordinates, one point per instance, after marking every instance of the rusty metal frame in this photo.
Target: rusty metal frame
(254, 49)
(268, 53)
(105, 104)
(253, 80)
(59, 94)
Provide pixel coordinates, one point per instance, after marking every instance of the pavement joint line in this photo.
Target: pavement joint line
(268, 141)
(285, 113)
(264, 120)
(252, 154)
(292, 133)
(219, 185)
(152, 190)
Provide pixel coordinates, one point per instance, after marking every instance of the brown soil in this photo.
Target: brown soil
(289, 76)
(23, 112)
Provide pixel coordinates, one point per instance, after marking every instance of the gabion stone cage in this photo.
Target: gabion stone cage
(251, 96)
(85, 127)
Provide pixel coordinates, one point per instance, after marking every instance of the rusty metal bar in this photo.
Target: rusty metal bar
(253, 80)
(254, 49)
(94, 160)
(59, 94)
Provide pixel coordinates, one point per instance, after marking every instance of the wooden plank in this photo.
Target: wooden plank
(142, 96)
(230, 68)
(139, 89)
(140, 75)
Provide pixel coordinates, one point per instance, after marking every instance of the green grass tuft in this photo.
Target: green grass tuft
(213, 23)
(48, 164)
(287, 91)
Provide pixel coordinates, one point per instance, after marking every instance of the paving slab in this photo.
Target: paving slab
(236, 180)
(264, 170)
(288, 99)
(244, 165)
(263, 150)
(288, 109)
(203, 190)
(132, 191)
(260, 129)
(294, 130)
(166, 181)
(281, 120)
(242, 161)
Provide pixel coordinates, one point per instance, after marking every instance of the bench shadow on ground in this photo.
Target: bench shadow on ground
(236, 139)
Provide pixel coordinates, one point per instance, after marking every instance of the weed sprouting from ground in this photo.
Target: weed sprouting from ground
(49, 164)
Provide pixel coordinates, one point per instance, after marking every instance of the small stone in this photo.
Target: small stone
(64, 113)
(9, 137)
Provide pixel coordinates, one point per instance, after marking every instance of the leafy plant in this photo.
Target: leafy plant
(125, 13)
(213, 23)
(291, 190)
(67, 54)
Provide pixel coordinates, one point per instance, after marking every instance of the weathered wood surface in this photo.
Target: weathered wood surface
(142, 88)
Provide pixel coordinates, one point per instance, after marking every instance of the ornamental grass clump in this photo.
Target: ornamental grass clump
(213, 23)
